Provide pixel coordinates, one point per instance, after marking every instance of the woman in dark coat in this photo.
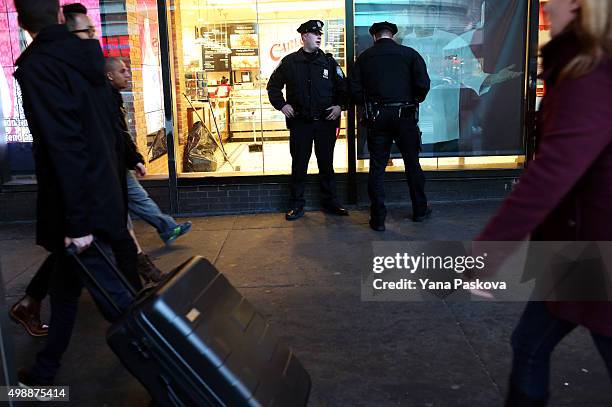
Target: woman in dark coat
(566, 192)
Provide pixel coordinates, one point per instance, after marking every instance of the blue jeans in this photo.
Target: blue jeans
(145, 208)
(533, 342)
(66, 285)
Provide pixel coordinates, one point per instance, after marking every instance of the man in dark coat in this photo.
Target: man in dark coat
(27, 310)
(76, 148)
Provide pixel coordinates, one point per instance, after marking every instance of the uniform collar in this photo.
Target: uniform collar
(385, 41)
(301, 55)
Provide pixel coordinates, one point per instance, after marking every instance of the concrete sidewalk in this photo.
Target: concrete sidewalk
(304, 276)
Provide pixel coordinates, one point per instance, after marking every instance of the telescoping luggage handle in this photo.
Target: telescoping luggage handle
(71, 250)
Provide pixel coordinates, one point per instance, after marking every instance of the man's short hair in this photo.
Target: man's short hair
(384, 32)
(110, 63)
(34, 15)
(74, 8)
(72, 12)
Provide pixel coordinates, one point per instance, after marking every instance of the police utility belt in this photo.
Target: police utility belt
(405, 110)
(315, 116)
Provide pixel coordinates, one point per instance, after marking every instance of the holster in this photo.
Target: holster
(409, 111)
(371, 111)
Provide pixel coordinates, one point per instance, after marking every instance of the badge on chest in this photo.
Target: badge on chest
(325, 74)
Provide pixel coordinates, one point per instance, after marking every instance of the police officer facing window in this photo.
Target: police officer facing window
(391, 79)
(316, 95)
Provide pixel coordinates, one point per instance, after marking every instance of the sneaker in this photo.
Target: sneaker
(147, 269)
(175, 233)
(27, 313)
(27, 381)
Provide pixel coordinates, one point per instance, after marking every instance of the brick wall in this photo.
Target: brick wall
(136, 12)
(176, 46)
(252, 194)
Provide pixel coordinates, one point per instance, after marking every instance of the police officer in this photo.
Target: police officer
(317, 92)
(391, 79)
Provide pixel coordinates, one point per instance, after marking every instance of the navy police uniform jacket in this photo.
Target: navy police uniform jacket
(313, 84)
(388, 72)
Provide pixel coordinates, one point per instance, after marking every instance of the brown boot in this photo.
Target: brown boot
(147, 269)
(27, 313)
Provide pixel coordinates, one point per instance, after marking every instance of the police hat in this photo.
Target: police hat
(383, 25)
(311, 26)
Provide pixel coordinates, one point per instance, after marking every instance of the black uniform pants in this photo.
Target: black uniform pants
(302, 134)
(389, 127)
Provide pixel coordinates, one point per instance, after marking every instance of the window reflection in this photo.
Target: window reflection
(475, 65)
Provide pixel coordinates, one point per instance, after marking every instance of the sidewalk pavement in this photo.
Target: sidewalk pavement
(304, 276)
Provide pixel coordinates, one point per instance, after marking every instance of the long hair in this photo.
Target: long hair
(593, 25)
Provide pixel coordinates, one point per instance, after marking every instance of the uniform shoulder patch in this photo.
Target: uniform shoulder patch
(339, 71)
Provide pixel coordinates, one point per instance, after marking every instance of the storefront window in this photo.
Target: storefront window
(127, 29)
(225, 52)
(475, 54)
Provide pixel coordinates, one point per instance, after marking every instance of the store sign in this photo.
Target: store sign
(276, 41)
(245, 46)
(280, 49)
(215, 47)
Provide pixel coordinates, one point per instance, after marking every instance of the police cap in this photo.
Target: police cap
(311, 26)
(383, 25)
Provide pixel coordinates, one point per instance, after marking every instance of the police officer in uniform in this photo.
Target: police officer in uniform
(391, 80)
(317, 92)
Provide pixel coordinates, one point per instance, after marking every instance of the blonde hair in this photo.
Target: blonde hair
(593, 25)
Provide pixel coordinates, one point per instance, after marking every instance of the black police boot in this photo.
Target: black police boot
(378, 226)
(516, 398)
(422, 216)
(294, 213)
(335, 209)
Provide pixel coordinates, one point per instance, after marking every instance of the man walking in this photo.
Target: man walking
(391, 80)
(76, 147)
(139, 202)
(316, 95)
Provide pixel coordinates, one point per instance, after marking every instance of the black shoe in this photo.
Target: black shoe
(516, 398)
(377, 226)
(294, 213)
(336, 210)
(423, 216)
(147, 269)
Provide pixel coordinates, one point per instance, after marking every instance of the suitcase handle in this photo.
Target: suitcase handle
(72, 251)
(174, 398)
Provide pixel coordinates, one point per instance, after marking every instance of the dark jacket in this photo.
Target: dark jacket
(388, 72)
(565, 194)
(313, 85)
(132, 156)
(69, 108)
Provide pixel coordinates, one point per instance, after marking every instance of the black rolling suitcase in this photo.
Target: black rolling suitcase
(194, 340)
